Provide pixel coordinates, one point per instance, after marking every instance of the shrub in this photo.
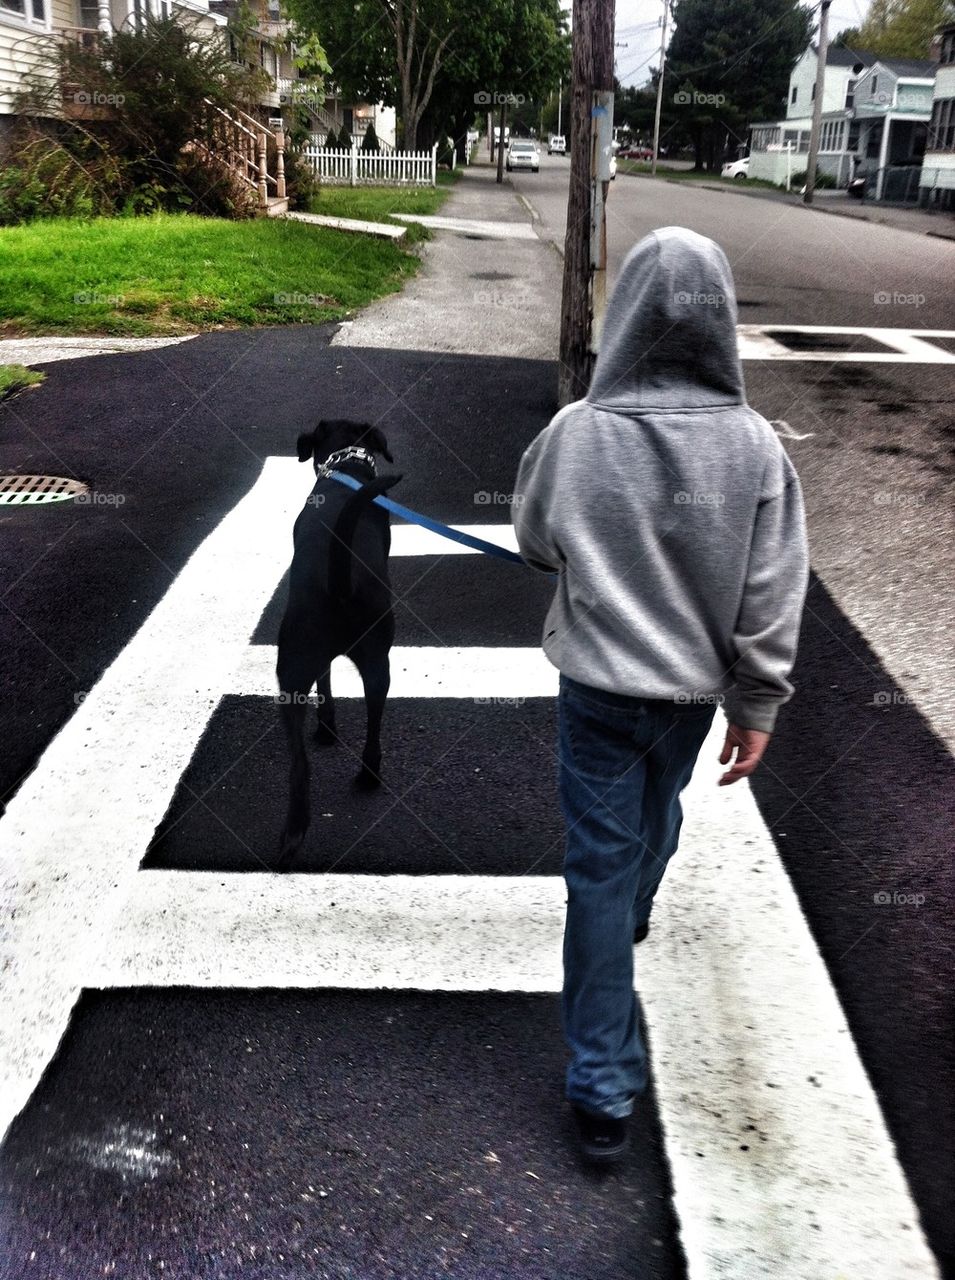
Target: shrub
(369, 142)
(331, 142)
(301, 185)
(344, 140)
(139, 133)
(824, 181)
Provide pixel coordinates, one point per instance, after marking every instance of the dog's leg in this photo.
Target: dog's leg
(295, 680)
(325, 733)
(375, 674)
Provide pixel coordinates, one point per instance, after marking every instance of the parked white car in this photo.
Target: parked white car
(736, 169)
(523, 154)
(557, 145)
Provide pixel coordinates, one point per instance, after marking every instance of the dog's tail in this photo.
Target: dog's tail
(339, 570)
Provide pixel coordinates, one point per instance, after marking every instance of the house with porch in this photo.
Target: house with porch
(893, 107)
(29, 27)
(276, 57)
(875, 117)
(781, 146)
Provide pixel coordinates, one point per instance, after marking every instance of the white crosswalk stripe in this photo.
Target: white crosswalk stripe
(746, 1028)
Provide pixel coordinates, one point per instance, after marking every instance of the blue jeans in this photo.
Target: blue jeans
(623, 763)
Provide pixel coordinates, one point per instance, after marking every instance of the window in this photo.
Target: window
(812, 96)
(948, 48)
(873, 87)
(853, 140)
(850, 94)
(831, 136)
(941, 130)
(794, 94)
(89, 14)
(765, 137)
(30, 10)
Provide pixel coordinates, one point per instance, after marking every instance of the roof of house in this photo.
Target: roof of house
(918, 67)
(840, 55)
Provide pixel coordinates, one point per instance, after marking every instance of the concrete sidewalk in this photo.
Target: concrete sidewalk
(488, 285)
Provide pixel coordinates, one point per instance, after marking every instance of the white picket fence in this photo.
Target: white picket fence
(366, 168)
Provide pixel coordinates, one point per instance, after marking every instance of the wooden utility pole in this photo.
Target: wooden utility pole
(663, 63)
(817, 102)
(585, 241)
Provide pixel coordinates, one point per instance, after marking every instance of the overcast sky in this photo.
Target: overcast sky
(638, 26)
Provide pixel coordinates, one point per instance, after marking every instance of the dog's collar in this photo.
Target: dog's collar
(354, 453)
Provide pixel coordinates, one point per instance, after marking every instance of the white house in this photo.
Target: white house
(937, 180)
(770, 142)
(875, 116)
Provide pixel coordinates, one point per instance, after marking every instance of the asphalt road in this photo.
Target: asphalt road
(274, 1128)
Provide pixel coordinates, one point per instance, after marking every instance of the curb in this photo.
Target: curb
(782, 198)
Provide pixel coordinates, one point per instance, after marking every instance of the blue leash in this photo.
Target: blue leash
(415, 517)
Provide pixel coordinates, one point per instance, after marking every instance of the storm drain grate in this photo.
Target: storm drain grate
(23, 489)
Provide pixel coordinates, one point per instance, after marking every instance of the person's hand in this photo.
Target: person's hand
(749, 745)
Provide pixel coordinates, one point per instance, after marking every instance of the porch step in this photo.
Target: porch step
(385, 230)
(277, 208)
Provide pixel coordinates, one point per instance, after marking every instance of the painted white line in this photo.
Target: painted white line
(486, 230)
(750, 1045)
(32, 351)
(412, 540)
(475, 673)
(80, 823)
(434, 933)
(905, 346)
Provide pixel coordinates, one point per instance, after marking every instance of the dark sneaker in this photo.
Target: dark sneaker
(603, 1138)
(640, 932)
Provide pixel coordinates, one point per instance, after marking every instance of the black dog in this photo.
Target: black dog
(339, 602)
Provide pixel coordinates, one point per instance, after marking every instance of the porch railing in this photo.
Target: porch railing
(243, 143)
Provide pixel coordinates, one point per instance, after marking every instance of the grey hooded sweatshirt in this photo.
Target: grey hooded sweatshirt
(667, 506)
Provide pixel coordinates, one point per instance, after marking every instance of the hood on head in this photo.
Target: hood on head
(669, 337)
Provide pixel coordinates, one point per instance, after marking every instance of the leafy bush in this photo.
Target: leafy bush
(824, 181)
(140, 132)
(301, 185)
(50, 179)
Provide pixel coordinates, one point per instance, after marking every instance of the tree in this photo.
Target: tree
(729, 63)
(384, 50)
(436, 60)
(899, 28)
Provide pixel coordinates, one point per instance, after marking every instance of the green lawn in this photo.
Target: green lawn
(378, 204)
(15, 377)
(178, 273)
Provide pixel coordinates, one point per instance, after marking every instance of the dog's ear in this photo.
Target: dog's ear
(305, 445)
(375, 439)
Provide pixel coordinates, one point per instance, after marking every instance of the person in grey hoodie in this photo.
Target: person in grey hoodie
(674, 521)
